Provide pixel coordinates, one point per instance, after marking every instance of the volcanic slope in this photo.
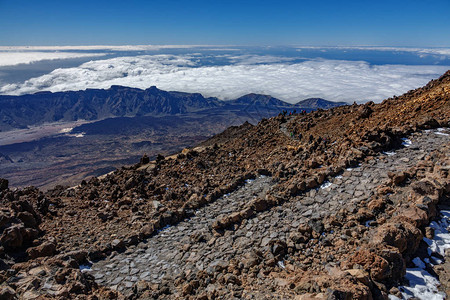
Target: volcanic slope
(327, 251)
(49, 139)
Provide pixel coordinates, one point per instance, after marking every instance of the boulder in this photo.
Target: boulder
(3, 184)
(117, 244)
(4, 219)
(278, 247)
(12, 237)
(77, 255)
(423, 187)
(311, 183)
(144, 160)
(428, 123)
(397, 178)
(7, 293)
(247, 213)
(415, 216)
(361, 275)
(217, 266)
(27, 218)
(403, 236)
(301, 186)
(45, 249)
(388, 267)
(365, 111)
(259, 204)
(146, 230)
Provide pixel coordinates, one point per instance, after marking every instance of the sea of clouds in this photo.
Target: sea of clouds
(27, 57)
(282, 77)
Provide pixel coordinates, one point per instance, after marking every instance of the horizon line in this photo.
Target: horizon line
(102, 46)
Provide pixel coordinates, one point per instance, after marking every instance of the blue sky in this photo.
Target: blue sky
(421, 23)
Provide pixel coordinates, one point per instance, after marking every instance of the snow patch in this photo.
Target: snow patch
(389, 153)
(66, 130)
(367, 224)
(419, 263)
(441, 133)
(326, 184)
(85, 268)
(77, 135)
(162, 230)
(423, 285)
(406, 142)
(441, 240)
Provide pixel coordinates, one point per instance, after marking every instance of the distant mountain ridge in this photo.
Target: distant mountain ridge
(315, 103)
(258, 99)
(120, 101)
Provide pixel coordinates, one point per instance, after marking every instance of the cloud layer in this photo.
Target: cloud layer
(436, 50)
(15, 58)
(336, 80)
(431, 51)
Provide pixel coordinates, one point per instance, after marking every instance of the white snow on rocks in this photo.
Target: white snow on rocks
(85, 268)
(389, 153)
(406, 142)
(325, 185)
(423, 285)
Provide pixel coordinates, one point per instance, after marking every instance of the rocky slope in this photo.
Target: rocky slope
(287, 235)
(117, 126)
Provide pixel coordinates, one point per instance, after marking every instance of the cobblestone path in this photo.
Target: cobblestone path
(190, 245)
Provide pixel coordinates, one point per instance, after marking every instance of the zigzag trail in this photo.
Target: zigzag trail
(191, 245)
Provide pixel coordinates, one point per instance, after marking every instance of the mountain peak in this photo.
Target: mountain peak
(259, 99)
(315, 103)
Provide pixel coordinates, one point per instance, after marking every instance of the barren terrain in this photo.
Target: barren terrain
(332, 204)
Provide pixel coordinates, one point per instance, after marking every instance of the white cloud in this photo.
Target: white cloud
(330, 79)
(15, 58)
(431, 51)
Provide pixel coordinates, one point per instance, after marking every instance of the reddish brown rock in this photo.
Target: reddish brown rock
(382, 264)
(397, 178)
(12, 237)
(414, 215)
(45, 249)
(403, 235)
